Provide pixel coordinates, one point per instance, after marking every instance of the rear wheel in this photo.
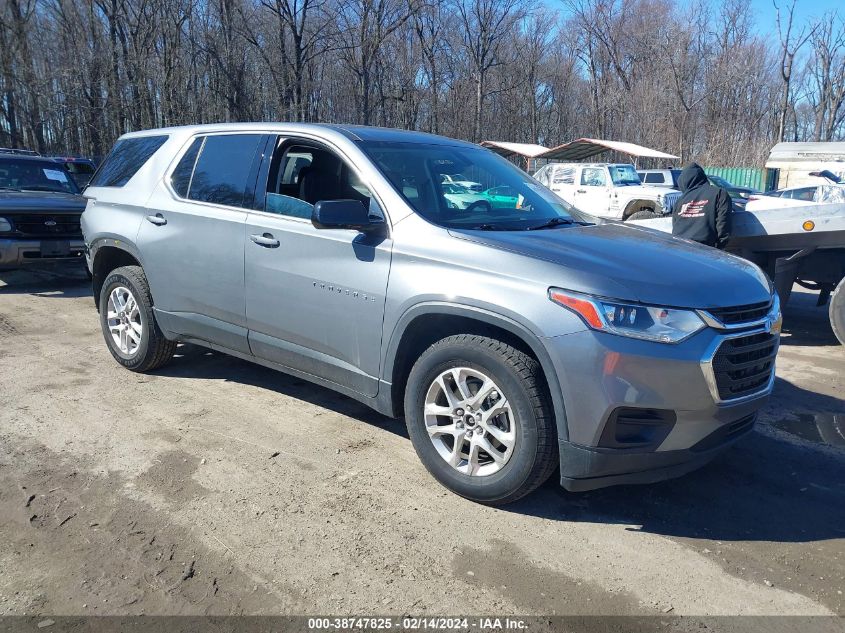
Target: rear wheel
(480, 420)
(836, 311)
(128, 322)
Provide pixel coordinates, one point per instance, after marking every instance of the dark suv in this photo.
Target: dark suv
(40, 207)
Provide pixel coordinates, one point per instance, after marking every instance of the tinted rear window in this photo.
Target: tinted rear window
(222, 170)
(181, 177)
(126, 158)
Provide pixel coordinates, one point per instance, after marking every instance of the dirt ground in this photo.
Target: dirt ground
(218, 487)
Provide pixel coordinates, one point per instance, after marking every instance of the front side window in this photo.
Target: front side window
(431, 178)
(593, 177)
(23, 174)
(302, 175)
(221, 174)
(125, 159)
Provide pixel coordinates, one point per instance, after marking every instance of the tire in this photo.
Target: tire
(147, 350)
(836, 311)
(527, 425)
(645, 214)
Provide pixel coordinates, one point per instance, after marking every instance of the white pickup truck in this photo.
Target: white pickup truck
(608, 190)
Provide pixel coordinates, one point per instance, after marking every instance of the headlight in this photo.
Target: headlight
(5, 226)
(650, 323)
(743, 194)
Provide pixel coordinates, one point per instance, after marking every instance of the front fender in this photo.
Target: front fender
(489, 317)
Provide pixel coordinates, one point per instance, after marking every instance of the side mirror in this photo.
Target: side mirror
(344, 214)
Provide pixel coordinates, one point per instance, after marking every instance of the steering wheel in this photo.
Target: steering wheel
(479, 205)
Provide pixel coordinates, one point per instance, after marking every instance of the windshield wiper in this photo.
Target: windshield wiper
(551, 224)
(486, 227)
(9, 189)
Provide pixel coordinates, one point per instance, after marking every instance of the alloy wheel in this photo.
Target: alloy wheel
(470, 422)
(124, 320)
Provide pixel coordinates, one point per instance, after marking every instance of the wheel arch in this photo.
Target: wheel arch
(640, 204)
(423, 325)
(106, 256)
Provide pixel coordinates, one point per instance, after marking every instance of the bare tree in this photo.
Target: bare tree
(485, 24)
(790, 44)
(695, 79)
(827, 74)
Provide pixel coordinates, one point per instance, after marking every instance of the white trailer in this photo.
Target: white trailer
(803, 245)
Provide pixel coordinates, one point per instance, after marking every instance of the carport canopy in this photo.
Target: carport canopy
(527, 151)
(587, 147)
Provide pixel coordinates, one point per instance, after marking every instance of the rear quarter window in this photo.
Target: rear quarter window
(125, 159)
(181, 177)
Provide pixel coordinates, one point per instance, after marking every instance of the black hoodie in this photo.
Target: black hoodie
(703, 212)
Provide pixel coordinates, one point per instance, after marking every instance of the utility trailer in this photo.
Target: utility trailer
(803, 245)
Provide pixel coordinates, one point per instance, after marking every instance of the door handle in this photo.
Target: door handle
(581, 190)
(267, 240)
(157, 219)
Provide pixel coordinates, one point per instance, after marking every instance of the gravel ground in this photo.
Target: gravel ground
(218, 487)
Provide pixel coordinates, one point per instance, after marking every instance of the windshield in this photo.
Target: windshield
(508, 199)
(624, 175)
(80, 168)
(34, 175)
(720, 182)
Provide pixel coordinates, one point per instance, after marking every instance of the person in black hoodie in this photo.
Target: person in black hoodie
(703, 212)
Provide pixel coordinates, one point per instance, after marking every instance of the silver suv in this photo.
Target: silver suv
(515, 335)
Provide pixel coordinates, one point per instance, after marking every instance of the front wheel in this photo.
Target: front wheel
(479, 418)
(645, 214)
(836, 311)
(128, 322)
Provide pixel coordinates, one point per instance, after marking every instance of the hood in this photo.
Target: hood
(635, 264)
(645, 191)
(41, 202)
(693, 176)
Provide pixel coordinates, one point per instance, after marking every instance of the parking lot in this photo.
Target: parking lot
(214, 486)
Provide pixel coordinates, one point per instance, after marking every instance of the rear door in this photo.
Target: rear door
(562, 182)
(192, 239)
(314, 297)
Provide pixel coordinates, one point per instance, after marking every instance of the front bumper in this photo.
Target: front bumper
(18, 252)
(603, 374)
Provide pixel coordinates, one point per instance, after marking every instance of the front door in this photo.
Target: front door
(593, 193)
(192, 239)
(314, 297)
